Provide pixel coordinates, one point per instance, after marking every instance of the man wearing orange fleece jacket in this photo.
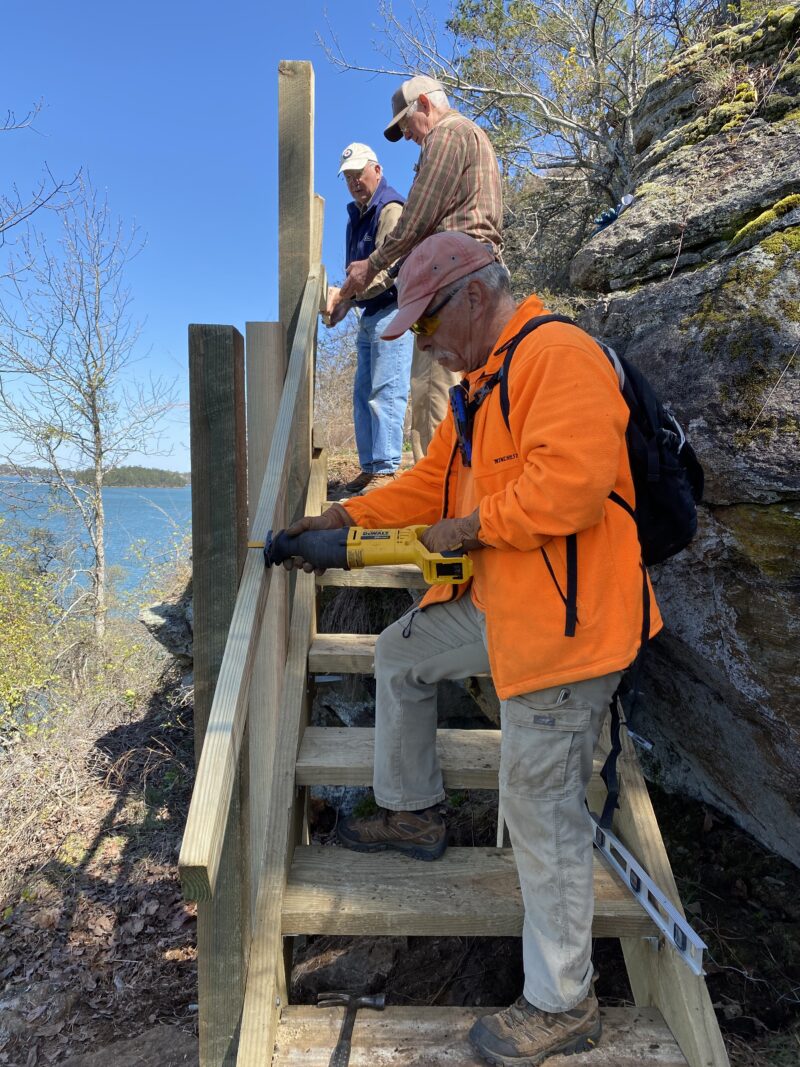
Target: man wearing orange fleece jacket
(554, 610)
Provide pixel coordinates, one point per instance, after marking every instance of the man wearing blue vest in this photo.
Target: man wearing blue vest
(383, 371)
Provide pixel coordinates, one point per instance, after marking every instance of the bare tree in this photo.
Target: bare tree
(17, 207)
(68, 398)
(333, 396)
(554, 82)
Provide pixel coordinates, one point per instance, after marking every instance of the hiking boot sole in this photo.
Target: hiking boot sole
(582, 1043)
(417, 852)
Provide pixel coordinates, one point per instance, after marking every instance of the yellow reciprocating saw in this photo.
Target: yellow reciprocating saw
(354, 547)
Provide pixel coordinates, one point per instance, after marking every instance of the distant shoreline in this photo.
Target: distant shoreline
(122, 478)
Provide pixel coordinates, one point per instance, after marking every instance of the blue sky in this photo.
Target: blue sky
(172, 110)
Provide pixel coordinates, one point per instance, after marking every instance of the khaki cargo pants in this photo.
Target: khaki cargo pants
(430, 385)
(548, 738)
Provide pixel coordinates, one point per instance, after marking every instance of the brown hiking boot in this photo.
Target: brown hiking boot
(524, 1036)
(377, 481)
(361, 481)
(420, 834)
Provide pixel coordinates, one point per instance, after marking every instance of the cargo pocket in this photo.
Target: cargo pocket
(542, 742)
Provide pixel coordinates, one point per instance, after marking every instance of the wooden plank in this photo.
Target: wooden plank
(297, 242)
(219, 516)
(266, 368)
(263, 996)
(437, 1037)
(219, 500)
(295, 188)
(400, 576)
(202, 842)
(471, 891)
(344, 755)
(657, 974)
(342, 654)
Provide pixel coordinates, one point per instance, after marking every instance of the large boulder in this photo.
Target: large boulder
(698, 283)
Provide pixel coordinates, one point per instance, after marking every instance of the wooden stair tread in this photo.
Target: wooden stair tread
(344, 755)
(468, 891)
(424, 1037)
(397, 576)
(342, 654)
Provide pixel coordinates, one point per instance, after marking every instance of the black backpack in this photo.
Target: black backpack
(668, 483)
(667, 476)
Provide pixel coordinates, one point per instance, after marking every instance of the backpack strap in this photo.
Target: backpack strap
(510, 348)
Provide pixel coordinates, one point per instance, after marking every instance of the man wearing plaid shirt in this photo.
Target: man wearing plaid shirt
(457, 187)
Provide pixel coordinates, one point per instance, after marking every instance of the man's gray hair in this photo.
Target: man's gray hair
(438, 99)
(494, 276)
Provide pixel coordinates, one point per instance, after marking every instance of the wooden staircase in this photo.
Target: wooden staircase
(469, 892)
(312, 889)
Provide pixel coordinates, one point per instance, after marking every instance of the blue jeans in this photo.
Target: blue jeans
(380, 392)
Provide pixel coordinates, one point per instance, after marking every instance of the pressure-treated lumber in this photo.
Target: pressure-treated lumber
(265, 358)
(202, 843)
(399, 576)
(657, 974)
(263, 997)
(219, 515)
(469, 891)
(344, 755)
(437, 1037)
(342, 654)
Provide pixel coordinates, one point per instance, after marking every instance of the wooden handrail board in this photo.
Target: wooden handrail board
(469, 891)
(424, 1037)
(211, 797)
(344, 755)
(260, 1013)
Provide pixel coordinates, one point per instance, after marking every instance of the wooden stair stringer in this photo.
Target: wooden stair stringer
(658, 976)
(265, 990)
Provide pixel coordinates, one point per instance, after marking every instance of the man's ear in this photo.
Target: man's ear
(476, 297)
(378, 169)
(424, 103)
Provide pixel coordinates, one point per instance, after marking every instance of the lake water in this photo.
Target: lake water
(143, 526)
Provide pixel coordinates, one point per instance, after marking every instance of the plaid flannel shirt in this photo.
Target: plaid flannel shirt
(457, 187)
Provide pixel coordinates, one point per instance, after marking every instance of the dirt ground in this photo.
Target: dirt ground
(97, 945)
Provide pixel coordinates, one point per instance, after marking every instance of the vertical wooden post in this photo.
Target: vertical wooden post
(219, 544)
(266, 368)
(296, 244)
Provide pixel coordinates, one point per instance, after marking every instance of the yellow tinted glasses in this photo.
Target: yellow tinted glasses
(427, 325)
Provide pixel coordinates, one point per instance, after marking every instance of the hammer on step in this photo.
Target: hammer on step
(341, 1054)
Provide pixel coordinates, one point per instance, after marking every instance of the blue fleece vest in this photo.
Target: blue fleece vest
(360, 240)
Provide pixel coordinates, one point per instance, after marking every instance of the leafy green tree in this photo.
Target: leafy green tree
(26, 618)
(555, 82)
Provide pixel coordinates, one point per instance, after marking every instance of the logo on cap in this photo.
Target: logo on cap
(347, 153)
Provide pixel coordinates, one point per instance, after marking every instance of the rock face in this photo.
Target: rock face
(700, 287)
(172, 625)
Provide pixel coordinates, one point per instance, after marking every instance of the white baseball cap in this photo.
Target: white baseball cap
(356, 156)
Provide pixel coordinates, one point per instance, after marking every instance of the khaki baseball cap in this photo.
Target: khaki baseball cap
(439, 260)
(356, 156)
(408, 92)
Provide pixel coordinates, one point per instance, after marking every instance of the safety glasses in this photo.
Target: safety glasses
(427, 325)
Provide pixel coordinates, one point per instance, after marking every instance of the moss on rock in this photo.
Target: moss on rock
(782, 207)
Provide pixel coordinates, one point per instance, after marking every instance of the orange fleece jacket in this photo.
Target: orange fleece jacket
(549, 477)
